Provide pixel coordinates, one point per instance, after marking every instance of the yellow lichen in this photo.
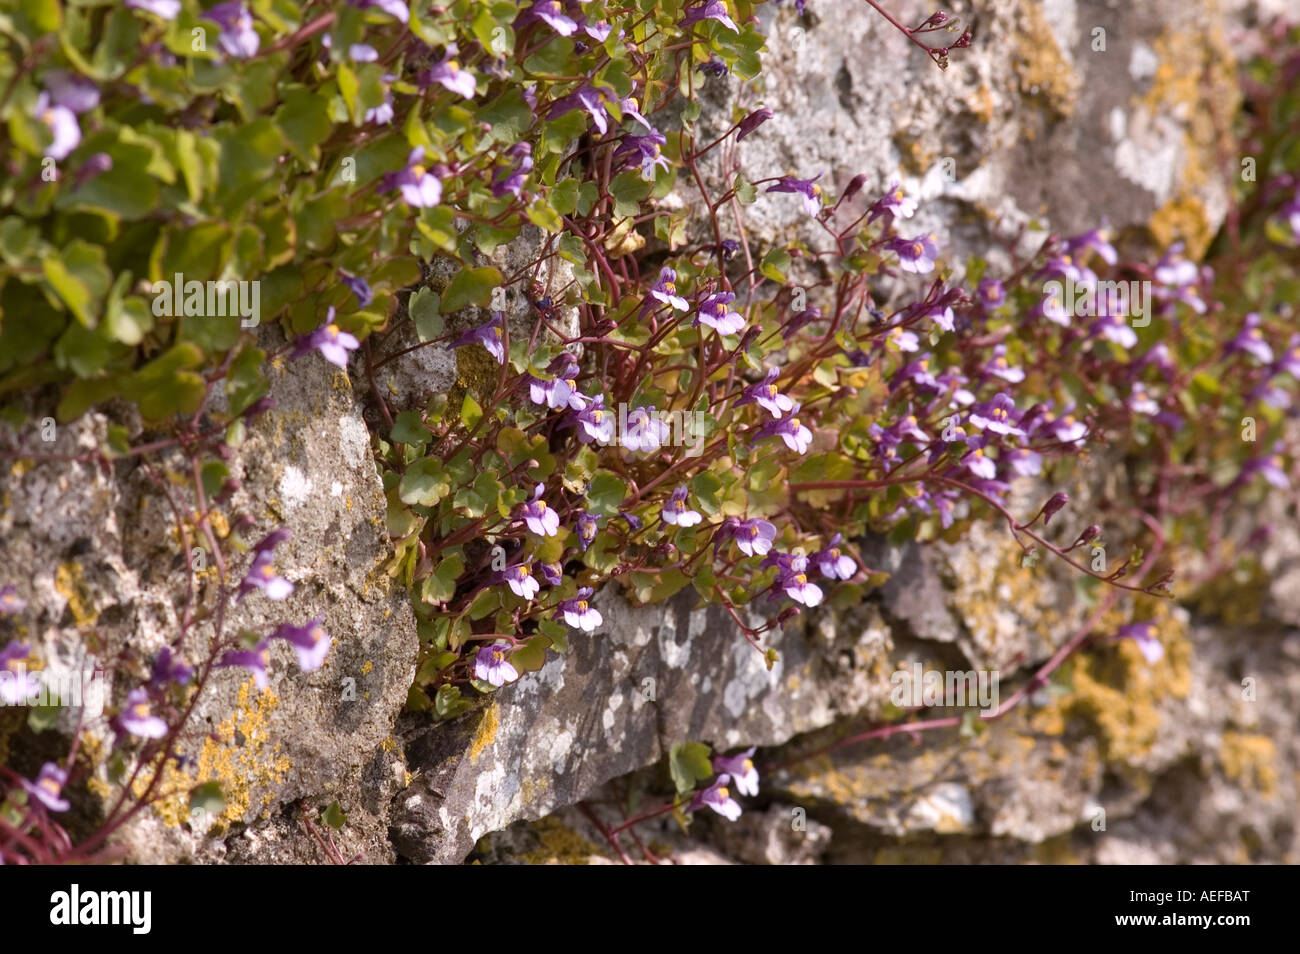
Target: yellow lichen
(72, 587)
(1044, 73)
(1249, 759)
(486, 733)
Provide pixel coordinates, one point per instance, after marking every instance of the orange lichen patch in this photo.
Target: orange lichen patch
(1044, 73)
(238, 755)
(487, 732)
(1249, 760)
(71, 585)
(367, 668)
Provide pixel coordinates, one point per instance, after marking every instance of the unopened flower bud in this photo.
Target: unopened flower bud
(1053, 505)
(753, 121)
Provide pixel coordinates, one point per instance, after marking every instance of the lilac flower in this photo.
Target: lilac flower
(94, 166)
(262, 576)
(715, 313)
(902, 339)
(718, 797)
(598, 31)
(915, 254)
(521, 580)
(1251, 340)
(309, 641)
(796, 586)
(1023, 463)
(578, 612)
(587, 528)
(449, 74)
(910, 427)
(492, 667)
(976, 462)
(10, 601)
(645, 431)
(895, 201)
(643, 151)
(332, 343)
(990, 293)
(550, 12)
(48, 787)
(676, 512)
(944, 319)
(766, 396)
(1144, 635)
(1066, 428)
(1096, 241)
(1271, 466)
(796, 436)
(999, 368)
(753, 121)
(488, 335)
(238, 38)
(1174, 269)
(382, 114)
(62, 123)
(833, 564)
(714, 67)
(999, 416)
(709, 10)
(587, 98)
(554, 393)
(255, 660)
(541, 519)
(71, 91)
(741, 769)
(137, 719)
(511, 179)
(359, 287)
(595, 423)
(552, 573)
(754, 536)
(394, 8)
(362, 53)
(807, 188)
(167, 9)
(633, 521)
(168, 669)
(17, 685)
(419, 188)
(1116, 329)
(665, 291)
(1140, 402)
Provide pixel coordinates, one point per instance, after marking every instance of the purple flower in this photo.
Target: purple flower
(550, 12)
(944, 319)
(754, 536)
(578, 612)
(561, 390)
(902, 339)
(595, 423)
(255, 660)
(1251, 340)
(167, 9)
(1144, 635)
(915, 254)
(741, 769)
(488, 335)
(48, 787)
(332, 343)
(238, 38)
(999, 368)
(976, 462)
(394, 8)
(895, 201)
(1023, 463)
(807, 188)
(1116, 329)
(541, 519)
(309, 641)
(715, 313)
(833, 564)
(676, 512)
(766, 396)
(71, 91)
(598, 31)
(552, 573)
(643, 151)
(511, 178)
(137, 719)
(714, 67)
(62, 124)
(262, 576)
(793, 578)
(665, 291)
(1174, 269)
(451, 76)
(492, 667)
(1140, 402)
(644, 431)
(718, 797)
(94, 166)
(17, 685)
(796, 436)
(999, 416)
(587, 528)
(709, 10)
(990, 293)
(1066, 429)
(381, 114)
(358, 287)
(521, 580)
(419, 188)
(1271, 466)
(1096, 241)
(587, 98)
(10, 601)
(753, 121)
(169, 669)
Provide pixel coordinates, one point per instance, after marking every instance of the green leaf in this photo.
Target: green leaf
(745, 190)
(688, 763)
(606, 494)
(470, 412)
(332, 815)
(409, 429)
(471, 286)
(244, 381)
(207, 799)
(425, 309)
(424, 483)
